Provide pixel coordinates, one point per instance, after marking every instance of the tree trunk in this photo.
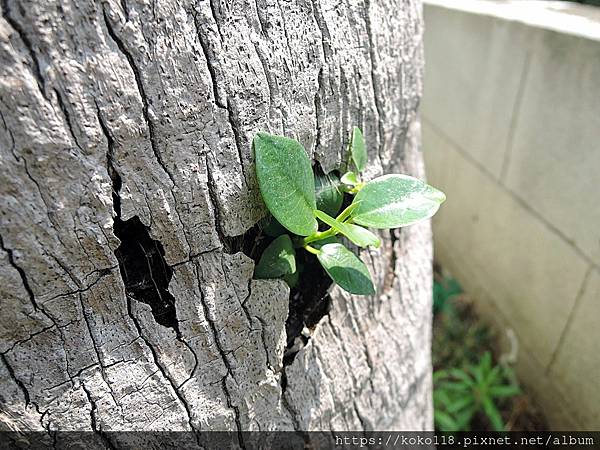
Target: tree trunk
(129, 204)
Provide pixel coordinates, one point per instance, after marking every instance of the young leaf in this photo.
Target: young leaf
(329, 196)
(359, 152)
(278, 259)
(393, 201)
(344, 267)
(349, 178)
(286, 182)
(358, 235)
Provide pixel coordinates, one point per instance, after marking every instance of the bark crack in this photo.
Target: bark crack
(224, 358)
(221, 99)
(22, 275)
(214, 201)
(209, 56)
(146, 115)
(140, 282)
(17, 381)
(94, 419)
(140, 86)
(97, 352)
(67, 115)
(156, 360)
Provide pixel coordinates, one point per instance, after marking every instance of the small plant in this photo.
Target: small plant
(460, 394)
(444, 290)
(298, 201)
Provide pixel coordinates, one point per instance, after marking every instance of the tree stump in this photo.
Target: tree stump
(129, 207)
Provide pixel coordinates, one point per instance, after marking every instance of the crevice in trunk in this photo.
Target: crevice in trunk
(309, 300)
(309, 303)
(145, 272)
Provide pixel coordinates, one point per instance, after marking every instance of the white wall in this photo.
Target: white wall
(511, 133)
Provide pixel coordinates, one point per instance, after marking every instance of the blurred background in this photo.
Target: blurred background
(511, 133)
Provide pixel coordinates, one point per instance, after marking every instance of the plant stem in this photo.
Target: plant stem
(312, 250)
(319, 235)
(346, 212)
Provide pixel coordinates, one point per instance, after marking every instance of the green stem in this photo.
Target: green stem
(312, 250)
(319, 235)
(345, 213)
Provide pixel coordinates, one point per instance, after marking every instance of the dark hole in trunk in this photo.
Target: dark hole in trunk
(144, 270)
(145, 273)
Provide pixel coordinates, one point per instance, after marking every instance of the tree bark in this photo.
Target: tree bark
(127, 196)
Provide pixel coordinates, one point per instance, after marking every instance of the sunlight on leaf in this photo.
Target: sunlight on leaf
(286, 182)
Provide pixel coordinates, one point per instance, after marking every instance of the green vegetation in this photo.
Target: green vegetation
(459, 394)
(471, 390)
(299, 201)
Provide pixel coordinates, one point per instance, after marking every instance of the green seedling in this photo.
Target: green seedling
(460, 394)
(298, 201)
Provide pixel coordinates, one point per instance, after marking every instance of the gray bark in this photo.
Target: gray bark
(120, 109)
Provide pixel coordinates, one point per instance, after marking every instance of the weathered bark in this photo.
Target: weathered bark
(125, 130)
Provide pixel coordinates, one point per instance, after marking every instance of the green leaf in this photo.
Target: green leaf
(291, 279)
(329, 196)
(454, 386)
(359, 152)
(344, 267)
(322, 242)
(349, 178)
(444, 421)
(278, 259)
(504, 391)
(358, 235)
(492, 413)
(463, 418)
(440, 375)
(286, 182)
(486, 362)
(347, 212)
(460, 404)
(463, 376)
(393, 201)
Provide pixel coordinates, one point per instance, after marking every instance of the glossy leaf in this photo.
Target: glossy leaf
(349, 178)
(358, 149)
(393, 201)
(358, 235)
(344, 267)
(286, 182)
(278, 259)
(329, 196)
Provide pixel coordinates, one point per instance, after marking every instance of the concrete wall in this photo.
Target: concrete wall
(511, 129)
